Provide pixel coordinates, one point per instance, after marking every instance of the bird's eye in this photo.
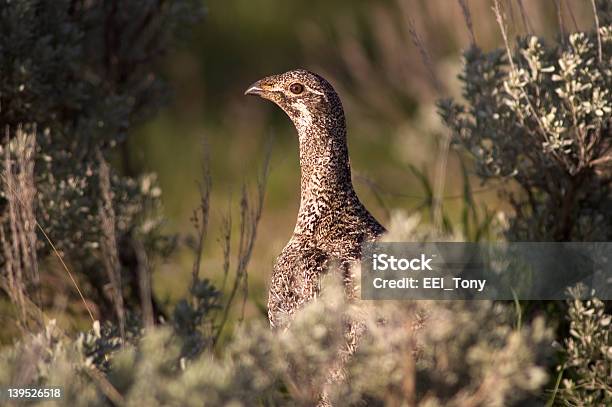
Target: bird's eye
(296, 88)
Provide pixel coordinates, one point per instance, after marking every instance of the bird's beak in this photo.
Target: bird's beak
(255, 89)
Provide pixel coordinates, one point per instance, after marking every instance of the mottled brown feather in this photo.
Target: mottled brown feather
(332, 223)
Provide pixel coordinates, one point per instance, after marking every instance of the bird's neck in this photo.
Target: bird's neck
(325, 172)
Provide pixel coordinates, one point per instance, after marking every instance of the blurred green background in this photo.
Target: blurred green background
(367, 51)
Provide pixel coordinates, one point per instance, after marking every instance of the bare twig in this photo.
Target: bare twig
(601, 161)
(418, 43)
(599, 50)
(226, 229)
(468, 20)
(200, 216)
(66, 269)
(12, 253)
(510, 11)
(20, 258)
(250, 214)
(502, 26)
(105, 386)
(14, 193)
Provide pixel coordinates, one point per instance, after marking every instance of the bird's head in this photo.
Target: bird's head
(305, 96)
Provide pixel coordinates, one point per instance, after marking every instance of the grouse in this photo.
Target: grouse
(332, 223)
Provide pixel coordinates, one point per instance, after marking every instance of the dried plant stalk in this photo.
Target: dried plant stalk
(201, 215)
(596, 16)
(20, 276)
(526, 23)
(110, 255)
(443, 148)
(467, 16)
(144, 284)
(250, 214)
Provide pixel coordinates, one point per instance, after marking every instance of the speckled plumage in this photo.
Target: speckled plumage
(332, 222)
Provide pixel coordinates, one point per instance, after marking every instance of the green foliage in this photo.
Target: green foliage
(80, 75)
(452, 359)
(541, 115)
(588, 350)
(194, 320)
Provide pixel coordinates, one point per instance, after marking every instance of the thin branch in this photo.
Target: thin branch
(500, 22)
(54, 249)
(200, 216)
(599, 49)
(467, 16)
(601, 160)
(226, 229)
(61, 259)
(250, 214)
(502, 26)
(418, 43)
(62, 262)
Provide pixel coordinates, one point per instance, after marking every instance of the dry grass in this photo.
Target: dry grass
(445, 138)
(201, 214)
(250, 215)
(405, 59)
(465, 10)
(20, 277)
(599, 50)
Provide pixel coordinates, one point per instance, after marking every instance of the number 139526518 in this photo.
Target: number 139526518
(23, 393)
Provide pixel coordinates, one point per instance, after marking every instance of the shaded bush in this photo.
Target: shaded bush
(455, 358)
(588, 353)
(78, 75)
(541, 115)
